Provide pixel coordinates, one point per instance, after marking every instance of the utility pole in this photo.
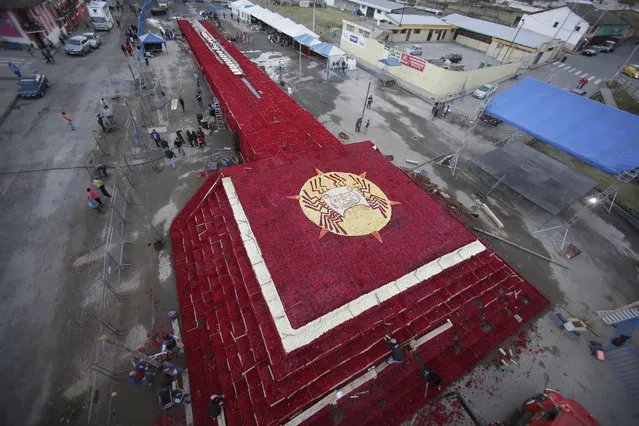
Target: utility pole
(366, 99)
(313, 15)
(503, 58)
(300, 57)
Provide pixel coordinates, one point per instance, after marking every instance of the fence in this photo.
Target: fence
(105, 365)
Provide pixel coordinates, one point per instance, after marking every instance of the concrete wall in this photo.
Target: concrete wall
(567, 21)
(432, 81)
(472, 43)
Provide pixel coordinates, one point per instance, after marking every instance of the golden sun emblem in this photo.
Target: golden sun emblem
(345, 204)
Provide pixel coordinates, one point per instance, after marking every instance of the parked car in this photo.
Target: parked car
(592, 51)
(77, 45)
(485, 90)
(94, 39)
(414, 50)
(608, 46)
(632, 70)
(33, 86)
(455, 58)
(489, 119)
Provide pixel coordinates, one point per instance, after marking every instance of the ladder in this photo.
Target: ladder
(619, 316)
(219, 118)
(625, 362)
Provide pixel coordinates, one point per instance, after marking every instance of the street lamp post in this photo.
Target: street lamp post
(313, 15)
(503, 58)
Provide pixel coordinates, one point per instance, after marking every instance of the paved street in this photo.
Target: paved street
(51, 259)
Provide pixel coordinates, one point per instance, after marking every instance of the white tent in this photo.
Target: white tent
(239, 7)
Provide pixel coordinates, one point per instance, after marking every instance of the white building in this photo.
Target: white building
(370, 8)
(559, 23)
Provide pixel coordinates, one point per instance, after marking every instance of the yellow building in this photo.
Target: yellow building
(372, 43)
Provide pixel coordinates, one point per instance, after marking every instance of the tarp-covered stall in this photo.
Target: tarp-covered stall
(152, 43)
(595, 133)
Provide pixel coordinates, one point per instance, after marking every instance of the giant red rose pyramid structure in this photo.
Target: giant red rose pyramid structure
(292, 268)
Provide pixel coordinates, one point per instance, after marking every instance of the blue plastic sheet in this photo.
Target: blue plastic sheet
(597, 134)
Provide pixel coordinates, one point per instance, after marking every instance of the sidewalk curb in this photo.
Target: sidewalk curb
(8, 109)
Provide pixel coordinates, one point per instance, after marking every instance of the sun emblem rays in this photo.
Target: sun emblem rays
(345, 204)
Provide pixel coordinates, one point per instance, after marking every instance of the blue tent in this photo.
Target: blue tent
(595, 133)
(150, 38)
(212, 8)
(327, 49)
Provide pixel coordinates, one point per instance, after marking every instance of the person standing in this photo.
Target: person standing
(123, 49)
(164, 144)
(200, 141)
(117, 22)
(192, 138)
(45, 56)
(446, 109)
(397, 354)
(198, 97)
(368, 123)
(434, 109)
(128, 48)
(178, 144)
(146, 61)
(156, 138)
(358, 124)
(370, 101)
(15, 69)
(101, 170)
(181, 101)
(196, 77)
(69, 121)
(49, 55)
(94, 205)
(97, 182)
(108, 114)
(171, 156)
(94, 196)
(100, 121)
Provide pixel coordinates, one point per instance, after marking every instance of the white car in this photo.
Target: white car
(485, 90)
(94, 39)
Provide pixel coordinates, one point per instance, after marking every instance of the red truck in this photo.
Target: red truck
(550, 408)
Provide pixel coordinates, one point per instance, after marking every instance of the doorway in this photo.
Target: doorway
(408, 34)
(430, 35)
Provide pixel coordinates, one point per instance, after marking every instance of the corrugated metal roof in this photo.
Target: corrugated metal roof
(524, 37)
(415, 19)
(383, 5)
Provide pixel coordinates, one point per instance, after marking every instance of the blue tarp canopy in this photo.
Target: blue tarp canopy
(327, 49)
(391, 62)
(595, 133)
(150, 38)
(212, 8)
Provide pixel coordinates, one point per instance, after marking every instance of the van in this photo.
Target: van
(77, 45)
(94, 39)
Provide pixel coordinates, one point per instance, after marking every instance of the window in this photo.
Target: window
(555, 24)
(403, 31)
(395, 31)
(577, 28)
(550, 49)
(366, 34)
(350, 28)
(379, 11)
